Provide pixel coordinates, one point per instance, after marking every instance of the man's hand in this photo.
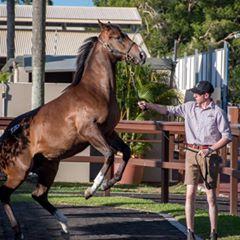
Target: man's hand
(143, 105)
(204, 152)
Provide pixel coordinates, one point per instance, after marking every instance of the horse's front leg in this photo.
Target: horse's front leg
(94, 136)
(117, 143)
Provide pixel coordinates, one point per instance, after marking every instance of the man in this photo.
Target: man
(207, 130)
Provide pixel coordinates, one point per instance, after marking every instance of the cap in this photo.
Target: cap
(203, 87)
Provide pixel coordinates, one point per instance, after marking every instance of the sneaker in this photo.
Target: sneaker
(213, 236)
(190, 235)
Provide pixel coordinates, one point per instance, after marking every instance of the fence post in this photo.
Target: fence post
(164, 171)
(234, 180)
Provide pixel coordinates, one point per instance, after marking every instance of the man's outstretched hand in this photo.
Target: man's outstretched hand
(143, 105)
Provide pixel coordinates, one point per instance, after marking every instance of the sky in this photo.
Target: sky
(88, 3)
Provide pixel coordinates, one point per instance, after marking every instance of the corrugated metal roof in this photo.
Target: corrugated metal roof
(57, 63)
(53, 63)
(77, 14)
(57, 43)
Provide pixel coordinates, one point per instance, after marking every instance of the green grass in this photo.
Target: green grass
(71, 194)
(76, 188)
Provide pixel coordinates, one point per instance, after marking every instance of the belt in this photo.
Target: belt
(198, 147)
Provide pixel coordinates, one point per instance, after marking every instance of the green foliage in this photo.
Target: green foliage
(194, 24)
(136, 83)
(149, 86)
(235, 86)
(4, 77)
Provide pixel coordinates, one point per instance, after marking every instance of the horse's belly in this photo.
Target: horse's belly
(65, 153)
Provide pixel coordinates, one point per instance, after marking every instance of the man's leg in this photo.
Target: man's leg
(190, 206)
(213, 210)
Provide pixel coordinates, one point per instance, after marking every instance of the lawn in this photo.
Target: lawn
(71, 194)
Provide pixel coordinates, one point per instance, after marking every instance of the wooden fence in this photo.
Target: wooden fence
(169, 132)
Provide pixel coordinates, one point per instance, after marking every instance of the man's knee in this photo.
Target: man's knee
(191, 192)
(211, 198)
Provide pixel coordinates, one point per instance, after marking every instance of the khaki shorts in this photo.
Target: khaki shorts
(209, 167)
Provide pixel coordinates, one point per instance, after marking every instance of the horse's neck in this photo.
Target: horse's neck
(100, 72)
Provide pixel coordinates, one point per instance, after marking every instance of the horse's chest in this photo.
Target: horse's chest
(113, 115)
(111, 120)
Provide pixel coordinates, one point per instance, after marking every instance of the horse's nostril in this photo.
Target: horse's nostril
(143, 55)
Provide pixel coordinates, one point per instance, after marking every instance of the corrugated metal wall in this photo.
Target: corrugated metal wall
(211, 66)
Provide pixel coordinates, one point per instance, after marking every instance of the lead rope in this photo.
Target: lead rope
(198, 165)
(134, 84)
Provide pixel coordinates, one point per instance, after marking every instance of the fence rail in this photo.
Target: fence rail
(168, 132)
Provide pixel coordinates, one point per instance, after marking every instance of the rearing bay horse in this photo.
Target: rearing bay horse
(85, 114)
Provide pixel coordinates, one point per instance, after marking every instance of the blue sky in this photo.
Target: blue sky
(73, 2)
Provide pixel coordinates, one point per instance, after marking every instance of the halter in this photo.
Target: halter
(116, 52)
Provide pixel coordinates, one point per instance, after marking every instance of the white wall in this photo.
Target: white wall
(20, 102)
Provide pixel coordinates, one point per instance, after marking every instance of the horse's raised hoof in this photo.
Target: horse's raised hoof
(88, 193)
(104, 185)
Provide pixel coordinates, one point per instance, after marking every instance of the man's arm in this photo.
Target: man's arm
(221, 143)
(152, 106)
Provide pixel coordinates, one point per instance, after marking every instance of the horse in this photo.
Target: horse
(85, 113)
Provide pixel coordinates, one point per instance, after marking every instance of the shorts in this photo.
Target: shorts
(209, 167)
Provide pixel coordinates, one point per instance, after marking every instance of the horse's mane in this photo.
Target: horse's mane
(83, 53)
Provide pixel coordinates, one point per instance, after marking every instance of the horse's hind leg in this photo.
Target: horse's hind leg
(117, 143)
(46, 174)
(14, 179)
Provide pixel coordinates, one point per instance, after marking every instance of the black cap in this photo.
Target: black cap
(203, 87)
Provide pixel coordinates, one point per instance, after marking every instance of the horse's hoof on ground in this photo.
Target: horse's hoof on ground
(19, 236)
(88, 193)
(65, 235)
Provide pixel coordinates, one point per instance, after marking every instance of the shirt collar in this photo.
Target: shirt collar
(210, 105)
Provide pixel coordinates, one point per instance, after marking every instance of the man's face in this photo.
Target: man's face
(201, 98)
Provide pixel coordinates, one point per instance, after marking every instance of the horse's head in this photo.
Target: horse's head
(120, 45)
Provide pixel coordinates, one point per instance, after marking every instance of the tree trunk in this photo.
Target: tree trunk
(38, 52)
(10, 29)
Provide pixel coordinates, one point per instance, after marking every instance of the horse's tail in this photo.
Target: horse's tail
(15, 138)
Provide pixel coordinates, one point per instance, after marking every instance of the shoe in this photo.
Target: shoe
(213, 236)
(190, 235)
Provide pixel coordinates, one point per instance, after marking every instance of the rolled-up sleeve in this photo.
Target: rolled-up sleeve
(176, 110)
(223, 125)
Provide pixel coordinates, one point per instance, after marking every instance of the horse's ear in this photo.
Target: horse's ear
(103, 25)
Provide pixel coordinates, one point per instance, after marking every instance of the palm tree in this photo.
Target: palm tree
(136, 83)
(38, 52)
